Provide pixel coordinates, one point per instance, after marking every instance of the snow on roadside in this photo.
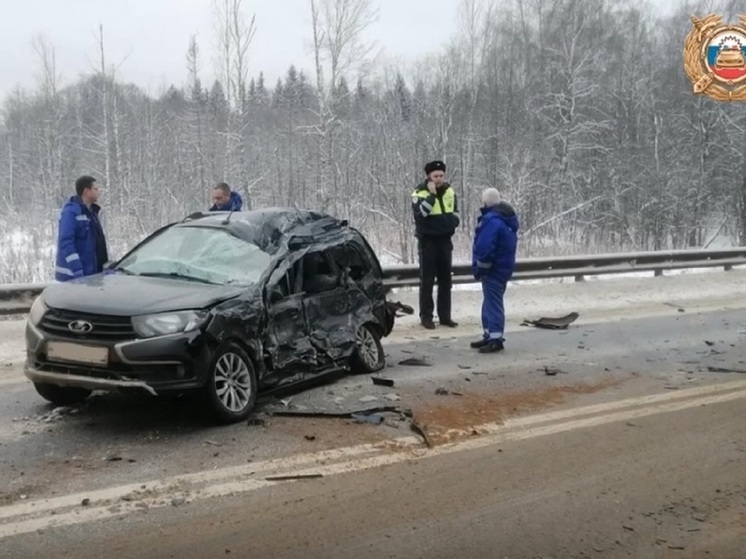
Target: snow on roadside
(627, 295)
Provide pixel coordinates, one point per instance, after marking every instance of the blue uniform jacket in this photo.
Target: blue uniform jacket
(233, 205)
(76, 244)
(495, 242)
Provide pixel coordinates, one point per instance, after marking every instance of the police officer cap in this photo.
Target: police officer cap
(435, 166)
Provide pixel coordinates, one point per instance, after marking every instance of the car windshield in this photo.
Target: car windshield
(202, 254)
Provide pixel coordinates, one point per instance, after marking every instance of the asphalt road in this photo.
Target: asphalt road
(669, 485)
(634, 447)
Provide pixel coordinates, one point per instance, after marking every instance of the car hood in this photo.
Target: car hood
(122, 295)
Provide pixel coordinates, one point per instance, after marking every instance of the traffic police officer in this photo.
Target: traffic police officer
(436, 218)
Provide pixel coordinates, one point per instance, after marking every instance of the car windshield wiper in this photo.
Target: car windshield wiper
(175, 275)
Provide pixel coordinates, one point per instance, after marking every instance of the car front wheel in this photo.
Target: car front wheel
(231, 386)
(369, 356)
(61, 395)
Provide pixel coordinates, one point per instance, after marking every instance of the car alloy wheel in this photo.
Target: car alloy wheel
(369, 356)
(231, 388)
(232, 382)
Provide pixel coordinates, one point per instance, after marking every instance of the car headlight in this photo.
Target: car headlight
(149, 325)
(37, 311)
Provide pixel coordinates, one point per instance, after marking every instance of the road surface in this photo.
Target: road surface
(634, 446)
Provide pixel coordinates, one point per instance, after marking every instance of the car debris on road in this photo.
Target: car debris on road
(552, 323)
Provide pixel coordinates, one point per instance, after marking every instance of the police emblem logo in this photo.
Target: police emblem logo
(715, 58)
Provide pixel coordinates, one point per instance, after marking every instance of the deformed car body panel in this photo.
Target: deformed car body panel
(295, 321)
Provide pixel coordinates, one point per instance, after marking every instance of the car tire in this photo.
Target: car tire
(369, 356)
(61, 395)
(231, 387)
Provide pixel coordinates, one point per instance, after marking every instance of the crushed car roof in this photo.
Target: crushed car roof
(270, 228)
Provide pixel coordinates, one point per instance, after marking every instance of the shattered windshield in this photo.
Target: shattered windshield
(200, 254)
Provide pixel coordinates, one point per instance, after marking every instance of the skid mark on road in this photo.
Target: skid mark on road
(116, 501)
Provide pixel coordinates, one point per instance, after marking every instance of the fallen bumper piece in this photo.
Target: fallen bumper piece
(552, 323)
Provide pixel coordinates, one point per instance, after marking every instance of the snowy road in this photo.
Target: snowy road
(634, 338)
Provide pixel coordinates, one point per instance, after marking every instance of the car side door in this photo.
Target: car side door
(328, 308)
(287, 344)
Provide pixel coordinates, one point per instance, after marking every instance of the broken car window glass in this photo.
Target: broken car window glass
(205, 254)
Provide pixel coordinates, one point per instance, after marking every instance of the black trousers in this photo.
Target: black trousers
(436, 259)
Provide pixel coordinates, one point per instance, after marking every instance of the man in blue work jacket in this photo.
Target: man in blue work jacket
(81, 244)
(436, 218)
(224, 199)
(493, 262)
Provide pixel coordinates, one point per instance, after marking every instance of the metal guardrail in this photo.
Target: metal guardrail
(17, 299)
(587, 265)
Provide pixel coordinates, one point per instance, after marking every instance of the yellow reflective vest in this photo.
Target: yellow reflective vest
(435, 215)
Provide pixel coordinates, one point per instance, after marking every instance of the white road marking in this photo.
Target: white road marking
(107, 503)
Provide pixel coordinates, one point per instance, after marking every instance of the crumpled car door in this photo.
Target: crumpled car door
(287, 340)
(331, 323)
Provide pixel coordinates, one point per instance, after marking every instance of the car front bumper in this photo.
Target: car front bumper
(164, 363)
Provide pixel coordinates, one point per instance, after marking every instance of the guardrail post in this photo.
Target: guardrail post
(579, 277)
(658, 273)
(728, 267)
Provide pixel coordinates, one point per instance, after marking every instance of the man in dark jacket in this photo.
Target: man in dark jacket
(81, 244)
(493, 261)
(225, 200)
(436, 217)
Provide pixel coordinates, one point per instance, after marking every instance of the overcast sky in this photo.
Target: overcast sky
(148, 39)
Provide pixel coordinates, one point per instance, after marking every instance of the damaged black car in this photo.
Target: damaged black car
(226, 304)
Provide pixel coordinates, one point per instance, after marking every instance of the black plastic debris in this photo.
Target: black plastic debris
(725, 370)
(552, 323)
(382, 381)
(399, 309)
(415, 362)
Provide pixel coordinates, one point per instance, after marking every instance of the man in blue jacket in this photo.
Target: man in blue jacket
(493, 261)
(81, 244)
(225, 200)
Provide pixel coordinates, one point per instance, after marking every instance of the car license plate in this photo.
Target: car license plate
(77, 353)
